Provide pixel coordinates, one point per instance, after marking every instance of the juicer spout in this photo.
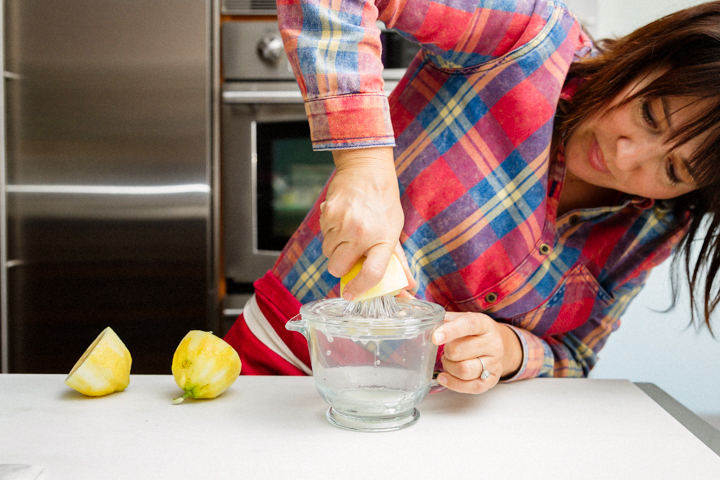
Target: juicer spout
(297, 324)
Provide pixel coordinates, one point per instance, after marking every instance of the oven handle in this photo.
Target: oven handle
(282, 96)
(277, 96)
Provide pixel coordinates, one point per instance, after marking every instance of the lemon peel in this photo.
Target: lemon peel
(204, 365)
(392, 282)
(104, 368)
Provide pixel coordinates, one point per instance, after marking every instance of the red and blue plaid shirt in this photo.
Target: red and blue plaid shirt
(471, 122)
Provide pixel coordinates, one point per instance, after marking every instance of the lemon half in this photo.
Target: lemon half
(391, 283)
(204, 365)
(104, 368)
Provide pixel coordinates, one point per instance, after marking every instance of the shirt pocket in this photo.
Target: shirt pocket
(576, 299)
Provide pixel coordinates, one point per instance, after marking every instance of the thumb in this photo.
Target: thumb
(372, 271)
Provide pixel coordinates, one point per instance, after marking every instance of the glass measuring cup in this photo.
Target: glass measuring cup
(373, 372)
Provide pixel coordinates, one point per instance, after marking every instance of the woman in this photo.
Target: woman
(531, 183)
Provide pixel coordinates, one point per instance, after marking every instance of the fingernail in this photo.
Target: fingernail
(439, 337)
(442, 379)
(348, 296)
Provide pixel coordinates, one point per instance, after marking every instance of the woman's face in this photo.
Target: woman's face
(626, 149)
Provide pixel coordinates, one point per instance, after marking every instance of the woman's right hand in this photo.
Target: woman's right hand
(362, 215)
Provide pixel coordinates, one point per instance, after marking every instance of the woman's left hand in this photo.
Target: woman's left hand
(469, 337)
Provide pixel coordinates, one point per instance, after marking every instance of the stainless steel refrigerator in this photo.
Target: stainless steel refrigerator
(108, 179)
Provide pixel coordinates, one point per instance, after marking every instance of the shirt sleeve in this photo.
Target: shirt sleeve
(334, 49)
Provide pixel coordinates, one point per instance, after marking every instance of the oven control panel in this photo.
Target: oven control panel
(254, 51)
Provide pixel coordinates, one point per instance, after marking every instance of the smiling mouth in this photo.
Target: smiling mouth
(596, 159)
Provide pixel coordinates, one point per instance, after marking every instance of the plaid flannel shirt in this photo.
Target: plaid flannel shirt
(471, 122)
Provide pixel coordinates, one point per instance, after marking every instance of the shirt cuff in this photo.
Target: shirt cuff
(350, 121)
(533, 355)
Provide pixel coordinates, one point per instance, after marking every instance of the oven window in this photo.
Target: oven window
(290, 176)
(397, 52)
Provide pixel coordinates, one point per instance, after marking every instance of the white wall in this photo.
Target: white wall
(651, 346)
(618, 17)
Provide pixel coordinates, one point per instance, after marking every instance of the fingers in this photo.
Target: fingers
(465, 376)
(468, 348)
(371, 273)
(474, 386)
(468, 369)
(405, 294)
(467, 337)
(459, 325)
(342, 258)
(343, 250)
(346, 239)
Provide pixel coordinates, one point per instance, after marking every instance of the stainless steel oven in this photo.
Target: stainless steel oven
(270, 174)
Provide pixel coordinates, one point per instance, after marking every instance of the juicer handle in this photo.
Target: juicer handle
(435, 385)
(297, 324)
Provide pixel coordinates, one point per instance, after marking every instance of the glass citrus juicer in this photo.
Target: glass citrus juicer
(372, 361)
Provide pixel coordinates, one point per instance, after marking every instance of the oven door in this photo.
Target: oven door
(270, 175)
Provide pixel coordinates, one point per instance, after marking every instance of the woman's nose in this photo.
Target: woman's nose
(633, 154)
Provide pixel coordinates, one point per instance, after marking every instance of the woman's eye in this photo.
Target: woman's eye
(647, 113)
(672, 174)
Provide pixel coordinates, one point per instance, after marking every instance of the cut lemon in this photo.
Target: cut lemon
(104, 368)
(391, 283)
(204, 365)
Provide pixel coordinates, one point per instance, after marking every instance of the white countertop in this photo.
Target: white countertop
(275, 427)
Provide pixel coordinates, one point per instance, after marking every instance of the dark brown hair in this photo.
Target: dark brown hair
(685, 47)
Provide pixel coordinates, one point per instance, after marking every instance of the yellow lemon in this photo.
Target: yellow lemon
(391, 283)
(104, 368)
(204, 365)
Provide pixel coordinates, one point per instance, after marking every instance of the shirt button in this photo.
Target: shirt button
(491, 297)
(544, 249)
